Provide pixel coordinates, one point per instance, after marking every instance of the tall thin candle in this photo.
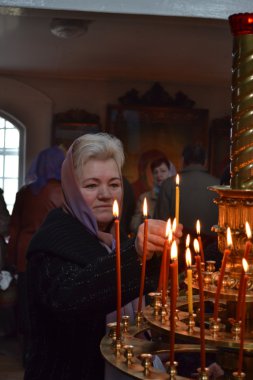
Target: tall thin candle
(246, 256)
(173, 299)
(118, 265)
(202, 315)
(177, 202)
(164, 256)
(243, 315)
(188, 260)
(200, 241)
(226, 253)
(248, 245)
(144, 254)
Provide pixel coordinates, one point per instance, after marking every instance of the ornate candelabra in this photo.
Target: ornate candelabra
(235, 204)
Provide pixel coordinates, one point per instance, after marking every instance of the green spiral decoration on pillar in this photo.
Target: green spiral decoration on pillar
(241, 152)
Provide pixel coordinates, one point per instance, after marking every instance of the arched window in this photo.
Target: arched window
(12, 146)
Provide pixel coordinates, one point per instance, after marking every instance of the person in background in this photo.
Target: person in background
(196, 200)
(160, 169)
(32, 204)
(71, 264)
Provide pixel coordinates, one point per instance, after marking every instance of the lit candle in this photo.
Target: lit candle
(200, 241)
(226, 253)
(188, 260)
(243, 314)
(118, 268)
(202, 314)
(187, 241)
(164, 256)
(174, 228)
(144, 254)
(173, 299)
(246, 256)
(248, 245)
(177, 199)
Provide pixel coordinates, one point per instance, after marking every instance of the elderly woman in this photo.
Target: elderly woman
(71, 265)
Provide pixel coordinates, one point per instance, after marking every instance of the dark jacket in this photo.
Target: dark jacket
(71, 288)
(196, 200)
(29, 212)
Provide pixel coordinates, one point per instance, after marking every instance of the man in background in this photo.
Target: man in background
(196, 200)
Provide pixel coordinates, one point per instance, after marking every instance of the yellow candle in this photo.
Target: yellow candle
(189, 280)
(177, 199)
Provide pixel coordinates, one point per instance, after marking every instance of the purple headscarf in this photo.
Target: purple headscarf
(45, 167)
(74, 202)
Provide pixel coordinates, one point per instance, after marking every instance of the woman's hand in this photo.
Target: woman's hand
(156, 236)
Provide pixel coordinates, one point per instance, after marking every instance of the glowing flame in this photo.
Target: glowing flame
(145, 208)
(198, 227)
(245, 265)
(115, 209)
(177, 180)
(188, 257)
(168, 227)
(173, 252)
(248, 230)
(196, 245)
(187, 240)
(229, 237)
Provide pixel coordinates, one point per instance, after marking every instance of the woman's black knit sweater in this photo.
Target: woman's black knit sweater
(71, 287)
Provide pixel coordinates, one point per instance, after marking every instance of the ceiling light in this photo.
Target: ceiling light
(68, 28)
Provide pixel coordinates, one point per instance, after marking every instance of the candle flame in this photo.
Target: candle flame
(229, 237)
(188, 257)
(115, 209)
(173, 252)
(177, 180)
(168, 227)
(196, 245)
(145, 208)
(198, 227)
(248, 230)
(245, 265)
(187, 241)
(174, 225)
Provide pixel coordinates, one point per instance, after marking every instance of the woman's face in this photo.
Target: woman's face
(100, 185)
(160, 173)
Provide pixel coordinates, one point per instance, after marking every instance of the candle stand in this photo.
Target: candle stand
(222, 335)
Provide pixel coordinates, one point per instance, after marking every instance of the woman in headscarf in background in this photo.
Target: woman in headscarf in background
(32, 204)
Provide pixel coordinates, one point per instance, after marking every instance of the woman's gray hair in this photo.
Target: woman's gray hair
(101, 146)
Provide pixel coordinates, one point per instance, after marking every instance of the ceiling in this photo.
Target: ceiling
(117, 47)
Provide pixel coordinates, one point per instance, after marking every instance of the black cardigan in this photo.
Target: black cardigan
(71, 283)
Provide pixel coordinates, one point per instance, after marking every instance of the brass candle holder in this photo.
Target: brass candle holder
(172, 369)
(203, 374)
